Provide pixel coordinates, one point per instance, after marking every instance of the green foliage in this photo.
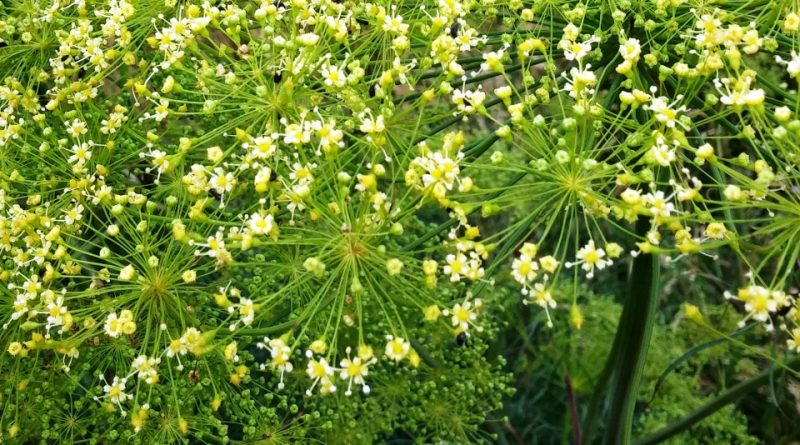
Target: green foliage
(341, 221)
(539, 410)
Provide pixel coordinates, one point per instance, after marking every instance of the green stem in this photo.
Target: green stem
(713, 406)
(605, 374)
(633, 332)
(598, 393)
(424, 354)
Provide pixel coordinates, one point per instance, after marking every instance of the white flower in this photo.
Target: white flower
(354, 370)
(739, 93)
(320, 372)
(297, 134)
(580, 82)
(73, 215)
(120, 324)
(222, 181)
(160, 161)
(20, 306)
(792, 65)
(308, 39)
(662, 153)
(394, 24)
(302, 173)
(591, 257)
(541, 296)
(760, 303)
(280, 353)
(664, 111)
(77, 128)
(524, 269)
(145, 368)
(464, 314)
(328, 135)
(658, 205)
(260, 224)
(441, 172)
(371, 125)
(333, 75)
(262, 147)
(456, 266)
(793, 342)
(116, 391)
(576, 50)
(55, 313)
(468, 101)
(247, 311)
(630, 50)
(396, 348)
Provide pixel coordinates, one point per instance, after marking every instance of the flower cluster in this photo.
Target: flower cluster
(179, 178)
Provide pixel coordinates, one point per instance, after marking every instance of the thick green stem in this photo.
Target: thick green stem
(605, 374)
(713, 406)
(598, 393)
(633, 338)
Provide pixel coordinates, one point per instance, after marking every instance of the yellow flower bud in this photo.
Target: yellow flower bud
(576, 317)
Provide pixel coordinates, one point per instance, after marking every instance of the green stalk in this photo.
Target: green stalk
(713, 406)
(599, 392)
(605, 374)
(633, 338)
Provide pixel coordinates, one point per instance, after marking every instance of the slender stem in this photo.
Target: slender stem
(573, 411)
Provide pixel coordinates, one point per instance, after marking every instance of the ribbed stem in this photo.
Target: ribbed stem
(633, 337)
(598, 394)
